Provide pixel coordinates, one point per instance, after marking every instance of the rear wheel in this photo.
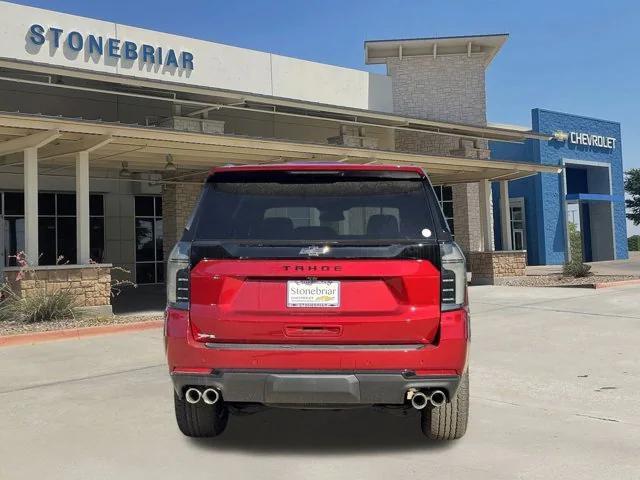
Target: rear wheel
(200, 419)
(448, 422)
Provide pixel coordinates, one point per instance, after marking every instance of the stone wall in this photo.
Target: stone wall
(448, 88)
(487, 267)
(354, 137)
(178, 201)
(90, 284)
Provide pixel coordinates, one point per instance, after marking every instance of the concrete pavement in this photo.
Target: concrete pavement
(630, 266)
(555, 387)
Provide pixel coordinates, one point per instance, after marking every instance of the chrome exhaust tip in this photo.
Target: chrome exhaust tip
(192, 395)
(419, 400)
(438, 398)
(210, 396)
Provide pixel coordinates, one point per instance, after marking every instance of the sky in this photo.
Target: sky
(576, 56)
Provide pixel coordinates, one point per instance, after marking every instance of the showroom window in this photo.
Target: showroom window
(149, 235)
(56, 227)
(445, 198)
(518, 228)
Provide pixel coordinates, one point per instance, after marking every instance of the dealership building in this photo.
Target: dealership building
(107, 132)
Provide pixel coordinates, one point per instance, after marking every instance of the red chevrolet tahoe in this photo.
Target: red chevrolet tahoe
(317, 286)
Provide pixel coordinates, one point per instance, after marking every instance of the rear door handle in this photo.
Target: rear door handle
(313, 330)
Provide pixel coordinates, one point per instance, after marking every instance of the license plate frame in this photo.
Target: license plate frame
(313, 294)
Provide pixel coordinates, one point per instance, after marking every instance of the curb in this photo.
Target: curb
(68, 333)
(615, 284)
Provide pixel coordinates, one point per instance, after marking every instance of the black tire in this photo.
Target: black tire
(200, 419)
(448, 422)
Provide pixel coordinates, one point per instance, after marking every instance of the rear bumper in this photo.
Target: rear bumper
(283, 388)
(317, 374)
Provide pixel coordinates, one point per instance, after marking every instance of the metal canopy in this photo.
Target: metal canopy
(196, 100)
(146, 149)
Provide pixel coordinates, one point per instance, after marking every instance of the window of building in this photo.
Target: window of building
(149, 236)
(445, 198)
(56, 227)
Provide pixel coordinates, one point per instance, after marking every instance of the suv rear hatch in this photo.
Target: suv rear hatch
(320, 257)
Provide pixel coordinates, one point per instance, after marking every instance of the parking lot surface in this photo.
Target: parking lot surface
(555, 393)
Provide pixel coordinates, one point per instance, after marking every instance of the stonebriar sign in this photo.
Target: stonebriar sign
(112, 47)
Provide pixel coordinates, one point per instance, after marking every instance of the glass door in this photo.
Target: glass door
(518, 232)
(149, 236)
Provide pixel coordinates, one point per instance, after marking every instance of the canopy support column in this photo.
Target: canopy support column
(486, 224)
(82, 208)
(31, 247)
(505, 216)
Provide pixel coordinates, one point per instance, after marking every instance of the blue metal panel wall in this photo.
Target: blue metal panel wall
(546, 242)
(523, 188)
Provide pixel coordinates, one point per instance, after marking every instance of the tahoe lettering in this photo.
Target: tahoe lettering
(312, 268)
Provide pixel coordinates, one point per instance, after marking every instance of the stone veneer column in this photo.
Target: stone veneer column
(178, 201)
(466, 216)
(447, 88)
(490, 268)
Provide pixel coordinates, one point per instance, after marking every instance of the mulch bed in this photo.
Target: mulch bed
(560, 281)
(17, 328)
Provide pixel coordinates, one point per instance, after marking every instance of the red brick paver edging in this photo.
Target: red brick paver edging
(68, 333)
(619, 283)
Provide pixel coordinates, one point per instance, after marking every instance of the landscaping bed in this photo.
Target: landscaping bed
(16, 328)
(557, 280)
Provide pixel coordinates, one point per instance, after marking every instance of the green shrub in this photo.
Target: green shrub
(576, 269)
(39, 306)
(7, 296)
(634, 243)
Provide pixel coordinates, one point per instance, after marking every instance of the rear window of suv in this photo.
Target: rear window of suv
(314, 205)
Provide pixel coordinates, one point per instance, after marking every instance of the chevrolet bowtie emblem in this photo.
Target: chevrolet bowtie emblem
(560, 136)
(314, 251)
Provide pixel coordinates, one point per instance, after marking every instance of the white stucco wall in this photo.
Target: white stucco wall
(215, 65)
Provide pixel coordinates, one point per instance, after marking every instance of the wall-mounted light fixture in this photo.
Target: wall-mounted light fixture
(124, 171)
(170, 166)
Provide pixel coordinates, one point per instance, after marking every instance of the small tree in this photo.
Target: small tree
(575, 243)
(575, 267)
(632, 187)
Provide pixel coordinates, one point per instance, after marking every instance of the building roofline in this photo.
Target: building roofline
(452, 37)
(378, 51)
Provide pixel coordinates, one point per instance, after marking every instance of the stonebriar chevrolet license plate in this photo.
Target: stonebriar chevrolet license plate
(301, 293)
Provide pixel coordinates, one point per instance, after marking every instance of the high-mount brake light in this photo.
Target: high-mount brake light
(178, 276)
(454, 277)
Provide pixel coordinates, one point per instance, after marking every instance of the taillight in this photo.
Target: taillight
(453, 277)
(178, 276)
